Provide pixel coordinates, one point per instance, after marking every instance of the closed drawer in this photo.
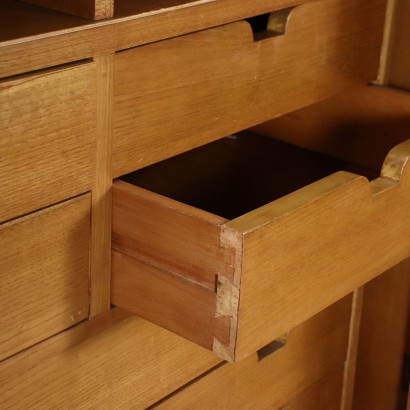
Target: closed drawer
(313, 354)
(47, 127)
(174, 95)
(137, 364)
(234, 243)
(44, 264)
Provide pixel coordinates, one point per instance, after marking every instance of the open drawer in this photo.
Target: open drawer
(234, 243)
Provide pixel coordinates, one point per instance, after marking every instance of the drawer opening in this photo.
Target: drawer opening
(270, 24)
(272, 347)
(237, 174)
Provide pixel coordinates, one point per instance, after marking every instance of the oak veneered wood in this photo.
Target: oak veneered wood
(44, 273)
(47, 145)
(174, 95)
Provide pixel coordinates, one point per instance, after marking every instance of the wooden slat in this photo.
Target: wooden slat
(306, 250)
(91, 9)
(382, 340)
(312, 350)
(346, 125)
(101, 198)
(114, 361)
(44, 270)
(235, 82)
(47, 145)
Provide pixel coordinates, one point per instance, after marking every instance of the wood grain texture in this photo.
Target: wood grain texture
(168, 234)
(102, 196)
(67, 38)
(91, 9)
(382, 340)
(113, 361)
(346, 125)
(212, 83)
(397, 56)
(312, 351)
(346, 232)
(47, 144)
(44, 269)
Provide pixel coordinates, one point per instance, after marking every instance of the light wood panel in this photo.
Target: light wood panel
(47, 145)
(209, 84)
(346, 125)
(312, 351)
(113, 361)
(101, 198)
(382, 340)
(91, 9)
(44, 270)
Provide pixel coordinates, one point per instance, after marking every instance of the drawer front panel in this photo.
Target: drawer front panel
(305, 251)
(114, 361)
(47, 127)
(180, 93)
(312, 351)
(44, 265)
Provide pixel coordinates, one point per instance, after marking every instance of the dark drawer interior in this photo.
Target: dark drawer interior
(239, 173)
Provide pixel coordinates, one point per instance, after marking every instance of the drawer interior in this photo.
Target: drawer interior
(239, 173)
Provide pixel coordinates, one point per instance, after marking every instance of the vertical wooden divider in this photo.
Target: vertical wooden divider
(351, 359)
(101, 194)
(395, 60)
(388, 28)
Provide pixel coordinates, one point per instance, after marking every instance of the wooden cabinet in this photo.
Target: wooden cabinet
(130, 181)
